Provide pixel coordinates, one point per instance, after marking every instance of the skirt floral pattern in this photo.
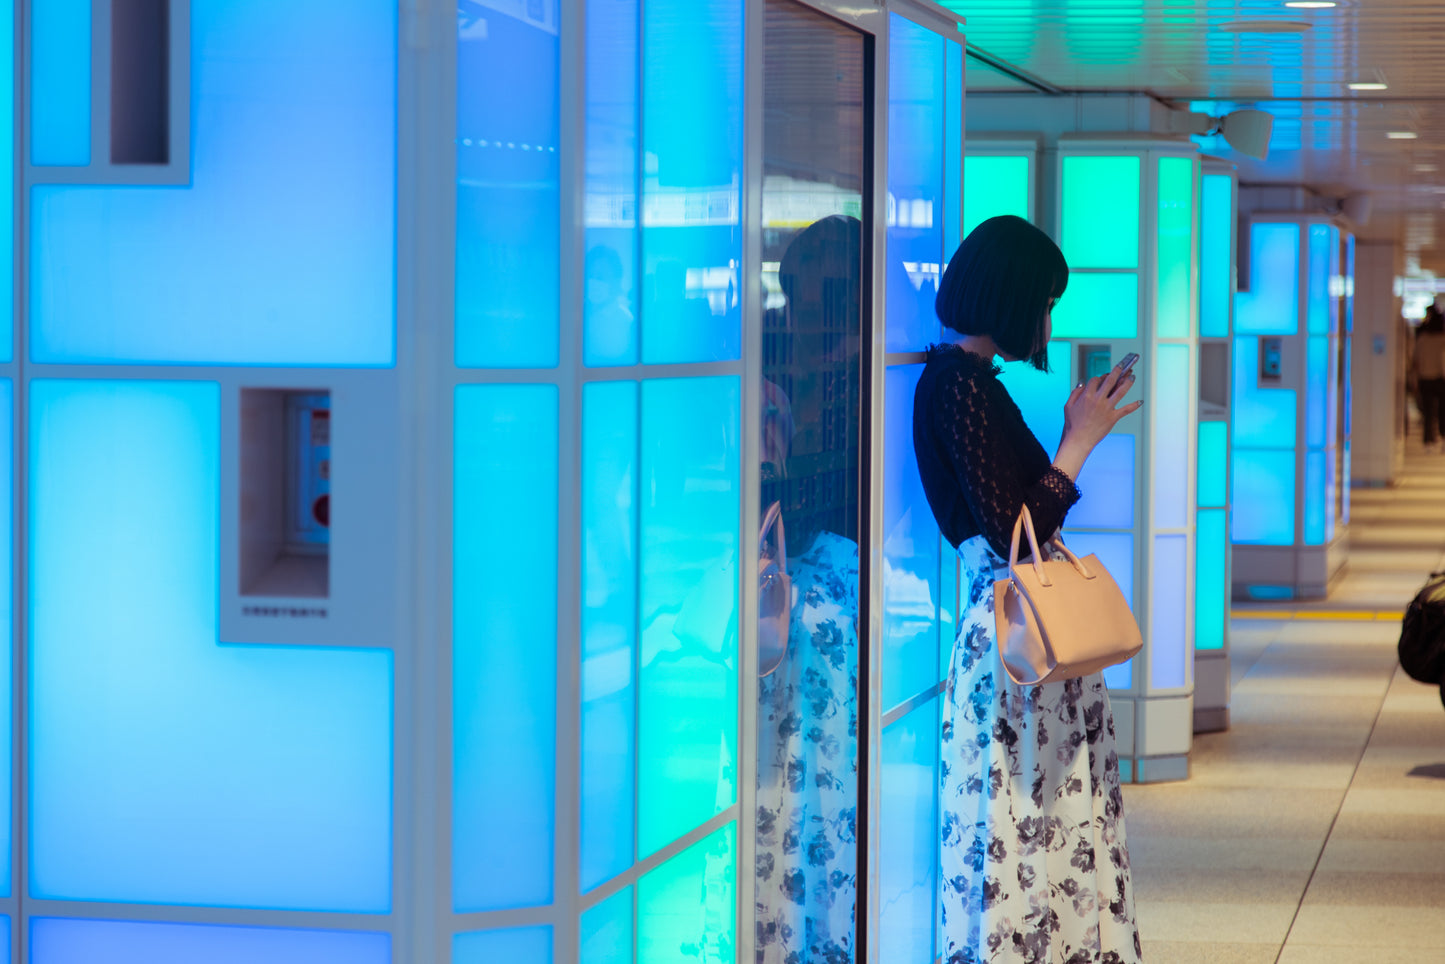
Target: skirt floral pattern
(806, 870)
(1034, 862)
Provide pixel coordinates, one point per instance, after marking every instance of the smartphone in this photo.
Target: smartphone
(1128, 362)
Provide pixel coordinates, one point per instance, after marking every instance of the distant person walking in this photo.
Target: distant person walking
(1429, 366)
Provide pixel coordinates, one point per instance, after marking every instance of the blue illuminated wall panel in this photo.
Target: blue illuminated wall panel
(1171, 404)
(165, 767)
(508, 220)
(1216, 244)
(692, 110)
(609, 627)
(1264, 497)
(504, 643)
(1271, 305)
(522, 945)
(1168, 612)
(59, 81)
(908, 846)
(7, 627)
(607, 930)
(281, 251)
(1213, 464)
(1316, 499)
(1324, 240)
(1106, 486)
(953, 160)
(1263, 417)
(56, 940)
(7, 171)
(1040, 396)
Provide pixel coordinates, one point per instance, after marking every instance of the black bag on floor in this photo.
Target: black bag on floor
(1422, 633)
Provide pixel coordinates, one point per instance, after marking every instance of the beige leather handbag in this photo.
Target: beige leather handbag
(1060, 618)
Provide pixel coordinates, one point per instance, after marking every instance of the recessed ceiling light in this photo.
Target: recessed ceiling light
(1369, 86)
(1401, 135)
(1425, 169)
(1265, 26)
(1311, 4)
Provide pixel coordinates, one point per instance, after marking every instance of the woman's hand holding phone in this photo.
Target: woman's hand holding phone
(1092, 411)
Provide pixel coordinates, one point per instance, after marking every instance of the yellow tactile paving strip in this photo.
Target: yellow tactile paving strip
(1341, 615)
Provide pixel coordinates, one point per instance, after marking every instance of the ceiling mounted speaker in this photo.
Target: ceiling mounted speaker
(1248, 132)
(1357, 207)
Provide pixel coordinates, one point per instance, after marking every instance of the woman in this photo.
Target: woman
(1428, 364)
(1033, 855)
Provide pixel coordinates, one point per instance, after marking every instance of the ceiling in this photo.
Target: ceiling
(1220, 54)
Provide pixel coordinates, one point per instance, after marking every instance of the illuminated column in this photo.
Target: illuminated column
(1211, 552)
(1128, 227)
(1289, 440)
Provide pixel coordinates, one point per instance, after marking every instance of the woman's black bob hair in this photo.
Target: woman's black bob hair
(1001, 282)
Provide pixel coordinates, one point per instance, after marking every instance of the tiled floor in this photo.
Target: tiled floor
(1313, 830)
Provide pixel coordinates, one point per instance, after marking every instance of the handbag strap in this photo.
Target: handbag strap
(1025, 523)
(774, 517)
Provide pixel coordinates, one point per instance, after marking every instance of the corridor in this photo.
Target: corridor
(1313, 830)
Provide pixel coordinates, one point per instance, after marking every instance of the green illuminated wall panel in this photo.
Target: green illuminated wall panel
(1101, 212)
(1216, 244)
(607, 927)
(1176, 246)
(993, 186)
(686, 908)
(1099, 306)
(1213, 464)
(1211, 577)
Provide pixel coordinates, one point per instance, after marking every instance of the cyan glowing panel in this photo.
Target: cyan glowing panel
(1172, 393)
(7, 170)
(165, 768)
(1331, 494)
(911, 587)
(688, 697)
(692, 129)
(504, 645)
(908, 847)
(508, 226)
(1213, 464)
(1271, 305)
(609, 627)
(953, 149)
(1116, 551)
(59, 81)
(1317, 394)
(993, 186)
(1099, 306)
(1263, 417)
(1168, 619)
(916, 130)
(1316, 498)
(7, 625)
(1216, 242)
(1346, 476)
(282, 249)
(57, 940)
(1040, 396)
(1211, 579)
(1319, 280)
(1332, 391)
(1101, 212)
(1106, 486)
(1176, 247)
(1263, 498)
(610, 208)
(518, 945)
(606, 931)
(686, 909)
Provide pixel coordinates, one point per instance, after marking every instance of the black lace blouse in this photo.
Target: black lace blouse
(978, 460)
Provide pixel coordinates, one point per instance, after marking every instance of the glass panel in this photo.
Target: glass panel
(1116, 551)
(72, 941)
(1319, 280)
(1332, 393)
(607, 931)
(692, 97)
(916, 129)
(288, 254)
(953, 150)
(993, 186)
(1168, 619)
(1101, 212)
(211, 800)
(1172, 394)
(610, 207)
(688, 701)
(1213, 464)
(908, 842)
(1317, 395)
(1176, 246)
(1263, 417)
(60, 40)
(504, 645)
(807, 750)
(1263, 498)
(910, 552)
(1216, 242)
(1315, 498)
(609, 627)
(522, 945)
(687, 908)
(508, 227)
(1271, 305)
(7, 628)
(1106, 486)
(1211, 580)
(1098, 306)
(7, 170)
(1041, 395)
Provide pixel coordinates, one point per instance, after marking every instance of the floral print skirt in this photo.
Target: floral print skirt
(1034, 863)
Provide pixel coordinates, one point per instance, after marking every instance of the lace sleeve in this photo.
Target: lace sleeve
(974, 429)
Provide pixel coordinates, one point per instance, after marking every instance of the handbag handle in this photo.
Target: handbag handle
(1025, 523)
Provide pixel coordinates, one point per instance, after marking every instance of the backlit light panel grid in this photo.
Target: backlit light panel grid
(998, 178)
(926, 181)
(1216, 300)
